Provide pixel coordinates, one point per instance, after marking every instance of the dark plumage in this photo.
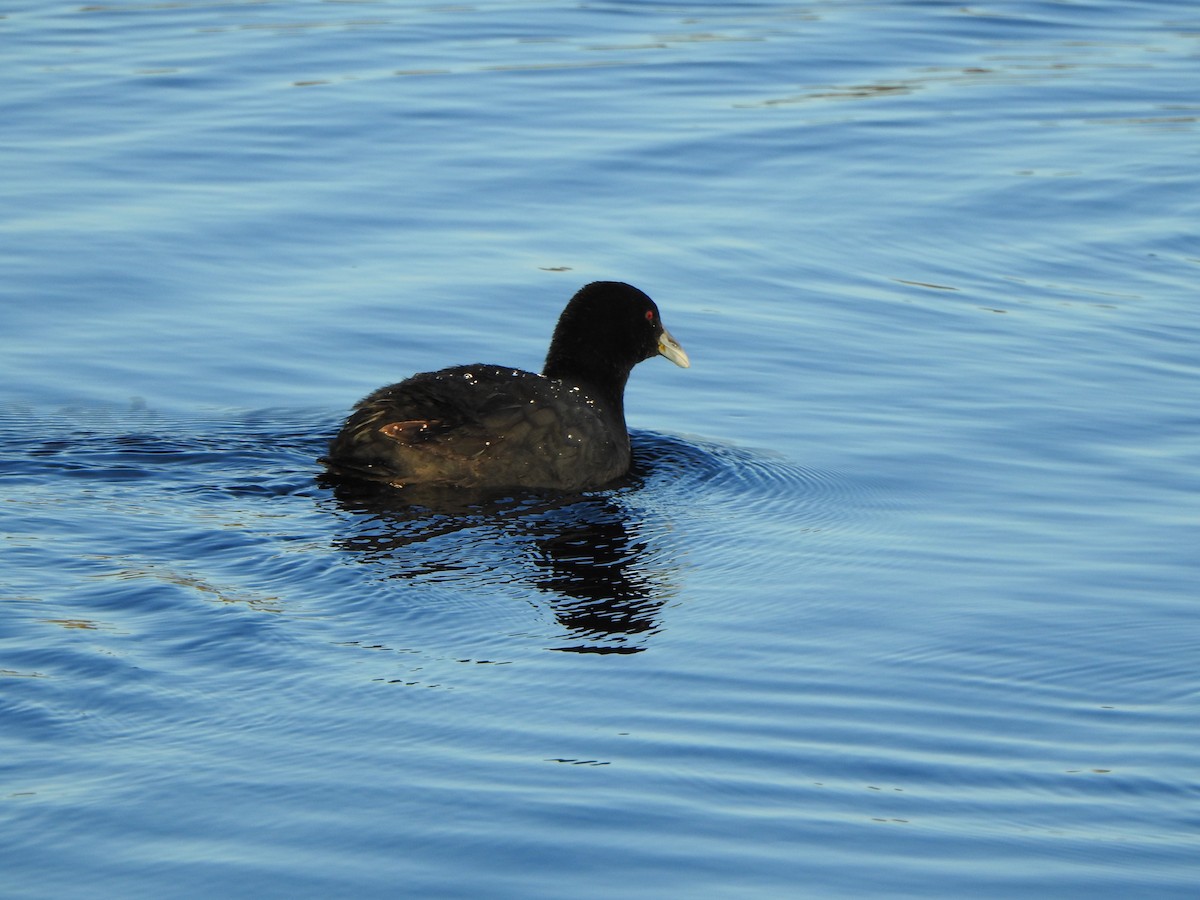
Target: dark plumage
(484, 426)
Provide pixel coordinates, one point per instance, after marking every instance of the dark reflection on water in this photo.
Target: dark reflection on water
(606, 560)
(596, 565)
(586, 552)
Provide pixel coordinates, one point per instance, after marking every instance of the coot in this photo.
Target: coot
(485, 426)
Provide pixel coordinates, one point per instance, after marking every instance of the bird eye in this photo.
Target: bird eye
(649, 315)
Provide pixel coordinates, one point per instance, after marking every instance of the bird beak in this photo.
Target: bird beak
(669, 347)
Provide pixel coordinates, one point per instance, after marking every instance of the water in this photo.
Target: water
(901, 599)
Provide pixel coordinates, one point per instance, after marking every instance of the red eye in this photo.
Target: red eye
(649, 315)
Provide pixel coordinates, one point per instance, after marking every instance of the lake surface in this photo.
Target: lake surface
(900, 600)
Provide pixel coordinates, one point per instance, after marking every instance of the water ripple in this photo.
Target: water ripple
(700, 475)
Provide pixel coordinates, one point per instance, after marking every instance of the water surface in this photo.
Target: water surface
(900, 599)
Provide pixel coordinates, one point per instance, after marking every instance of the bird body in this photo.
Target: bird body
(487, 426)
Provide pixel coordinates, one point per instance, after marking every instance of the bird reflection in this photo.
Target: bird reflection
(586, 553)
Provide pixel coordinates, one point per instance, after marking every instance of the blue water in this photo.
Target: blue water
(901, 599)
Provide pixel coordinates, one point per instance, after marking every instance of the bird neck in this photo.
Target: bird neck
(602, 381)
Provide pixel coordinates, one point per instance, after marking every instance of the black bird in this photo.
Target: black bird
(485, 426)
